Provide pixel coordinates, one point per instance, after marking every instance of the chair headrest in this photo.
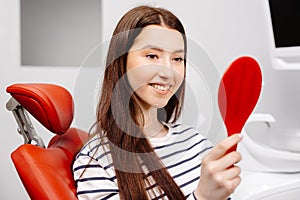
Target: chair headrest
(52, 105)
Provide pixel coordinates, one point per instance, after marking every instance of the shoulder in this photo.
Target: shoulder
(187, 133)
(181, 140)
(94, 156)
(179, 134)
(90, 147)
(95, 149)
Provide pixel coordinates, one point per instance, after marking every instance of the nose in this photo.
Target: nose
(166, 71)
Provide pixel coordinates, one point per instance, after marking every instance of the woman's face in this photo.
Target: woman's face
(155, 65)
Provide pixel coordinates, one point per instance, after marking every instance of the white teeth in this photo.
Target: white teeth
(160, 87)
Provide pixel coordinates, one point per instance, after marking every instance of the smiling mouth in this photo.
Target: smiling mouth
(161, 87)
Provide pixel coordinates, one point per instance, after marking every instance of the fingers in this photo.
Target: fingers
(230, 159)
(232, 173)
(231, 185)
(219, 176)
(222, 183)
(226, 161)
(228, 179)
(221, 148)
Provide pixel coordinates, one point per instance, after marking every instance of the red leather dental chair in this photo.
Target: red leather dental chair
(46, 172)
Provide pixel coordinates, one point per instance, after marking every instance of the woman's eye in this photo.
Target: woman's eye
(152, 56)
(179, 59)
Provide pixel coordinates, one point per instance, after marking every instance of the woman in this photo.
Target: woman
(138, 150)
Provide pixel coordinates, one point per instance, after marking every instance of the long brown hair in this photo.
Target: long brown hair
(118, 111)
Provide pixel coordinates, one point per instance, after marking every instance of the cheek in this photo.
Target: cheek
(134, 75)
(139, 76)
(135, 79)
(180, 73)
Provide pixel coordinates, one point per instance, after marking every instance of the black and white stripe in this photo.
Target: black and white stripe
(181, 151)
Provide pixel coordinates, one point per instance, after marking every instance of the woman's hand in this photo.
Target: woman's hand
(219, 177)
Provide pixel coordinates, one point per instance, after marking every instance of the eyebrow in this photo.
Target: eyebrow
(149, 46)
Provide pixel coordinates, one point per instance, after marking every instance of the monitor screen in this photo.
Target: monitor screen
(285, 16)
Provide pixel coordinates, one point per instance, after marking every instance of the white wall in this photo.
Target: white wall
(225, 29)
(11, 72)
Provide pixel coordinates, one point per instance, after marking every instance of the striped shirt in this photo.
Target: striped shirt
(181, 152)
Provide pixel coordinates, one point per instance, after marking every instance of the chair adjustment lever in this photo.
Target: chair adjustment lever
(25, 127)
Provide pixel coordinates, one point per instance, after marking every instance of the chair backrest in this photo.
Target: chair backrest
(46, 172)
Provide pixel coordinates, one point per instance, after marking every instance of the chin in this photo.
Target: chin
(159, 105)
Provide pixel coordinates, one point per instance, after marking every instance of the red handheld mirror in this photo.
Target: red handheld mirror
(238, 93)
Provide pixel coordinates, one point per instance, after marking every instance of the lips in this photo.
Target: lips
(161, 87)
